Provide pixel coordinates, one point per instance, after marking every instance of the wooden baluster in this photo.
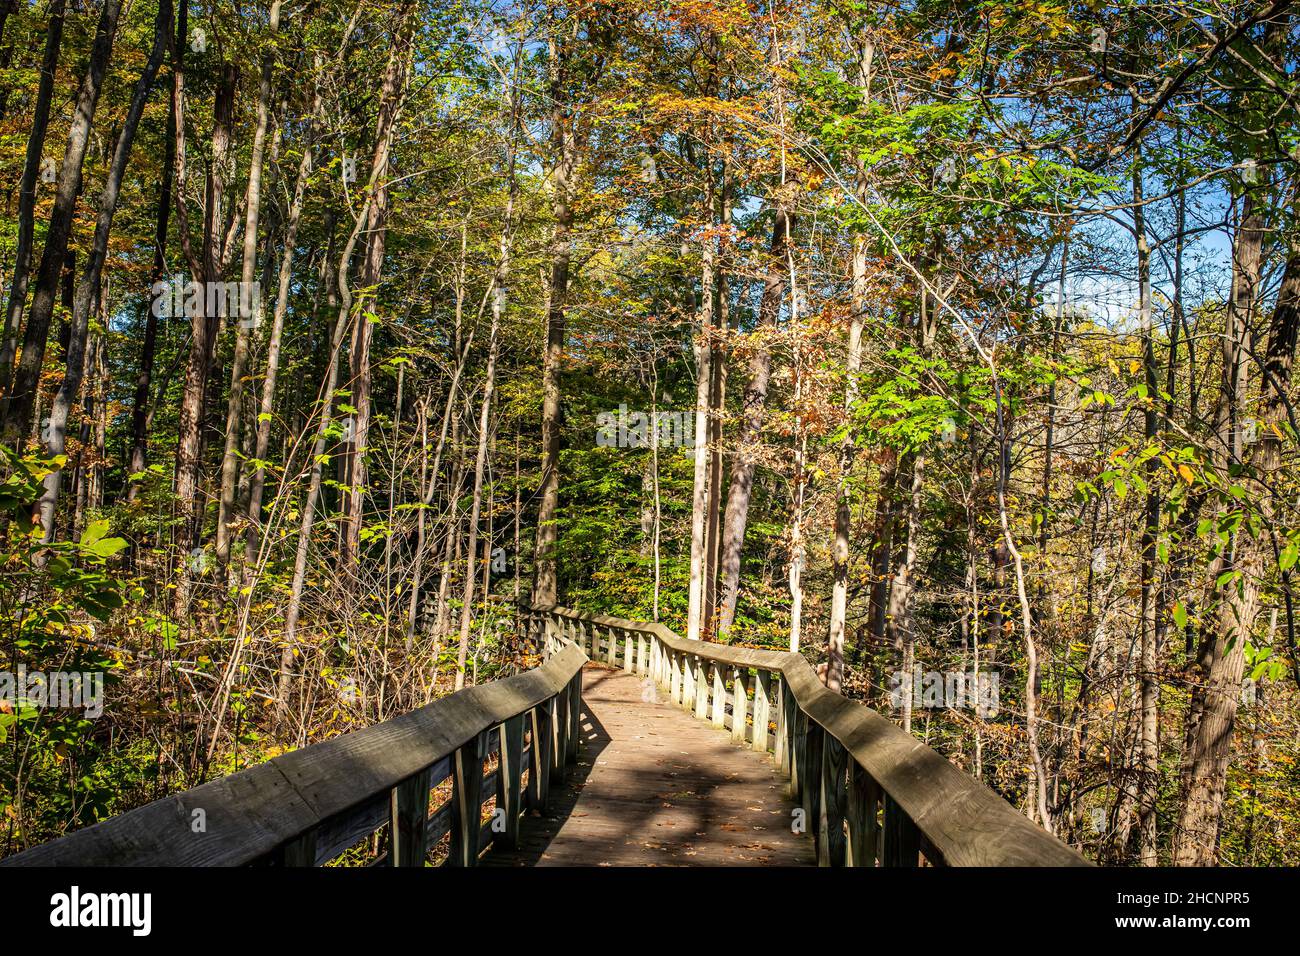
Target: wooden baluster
(791, 710)
(612, 634)
(467, 801)
(719, 697)
(629, 652)
(779, 743)
(674, 677)
(762, 707)
(408, 820)
(701, 690)
(810, 775)
(509, 780)
(864, 830)
(901, 838)
(642, 647)
(739, 705)
(539, 759)
(560, 723)
(799, 755)
(575, 718)
(300, 851)
(834, 803)
(688, 682)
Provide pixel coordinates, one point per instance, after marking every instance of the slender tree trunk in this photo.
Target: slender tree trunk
(40, 121)
(266, 407)
(753, 410)
(853, 363)
(204, 326)
(1149, 744)
(391, 98)
(139, 454)
(88, 289)
(703, 392)
(250, 306)
(388, 109)
(1216, 692)
(564, 162)
(22, 396)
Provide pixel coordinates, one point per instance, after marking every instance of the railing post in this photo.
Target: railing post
(701, 689)
(790, 708)
(902, 840)
(810, 774)
(779, 745)
(467, 801)
(761, 708)
(799, 756)
(643, 646)
(509, 781)
(675, 677)
(688, 682)
(739, 704)
(864, 831)
(300, 851)
(560, 723)
(834, 799)
(719, 696)
(408, 820)
(612, 634)
(539, 758)
(575, 718)
(629, 652)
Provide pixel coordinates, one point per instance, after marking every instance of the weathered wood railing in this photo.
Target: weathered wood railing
(869, 792)
(306, 807)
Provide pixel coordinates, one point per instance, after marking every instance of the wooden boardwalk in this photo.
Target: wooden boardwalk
(655, 787)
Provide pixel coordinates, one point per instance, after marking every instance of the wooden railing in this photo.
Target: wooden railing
(869, 792)
(306, 807)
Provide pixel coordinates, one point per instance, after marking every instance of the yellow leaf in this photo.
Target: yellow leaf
(1134, 365)
(1186, 473)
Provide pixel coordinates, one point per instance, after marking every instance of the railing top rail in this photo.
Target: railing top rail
(961, 817)
(250, 814)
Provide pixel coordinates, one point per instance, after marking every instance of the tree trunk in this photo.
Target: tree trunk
(203, 337)
(88, 289)
(40, 121)
(703, 393)
(139, 455)
(250, 307)
(853, 362)
(754, 405)
(1216, 691)
(266, 407)
(22, 396)
(564, 162)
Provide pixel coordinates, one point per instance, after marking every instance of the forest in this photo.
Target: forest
(946, 343)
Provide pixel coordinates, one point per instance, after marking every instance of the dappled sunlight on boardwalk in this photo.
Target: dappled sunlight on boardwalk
(655, 787)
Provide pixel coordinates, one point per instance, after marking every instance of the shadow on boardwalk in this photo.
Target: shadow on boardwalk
(655, 787)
